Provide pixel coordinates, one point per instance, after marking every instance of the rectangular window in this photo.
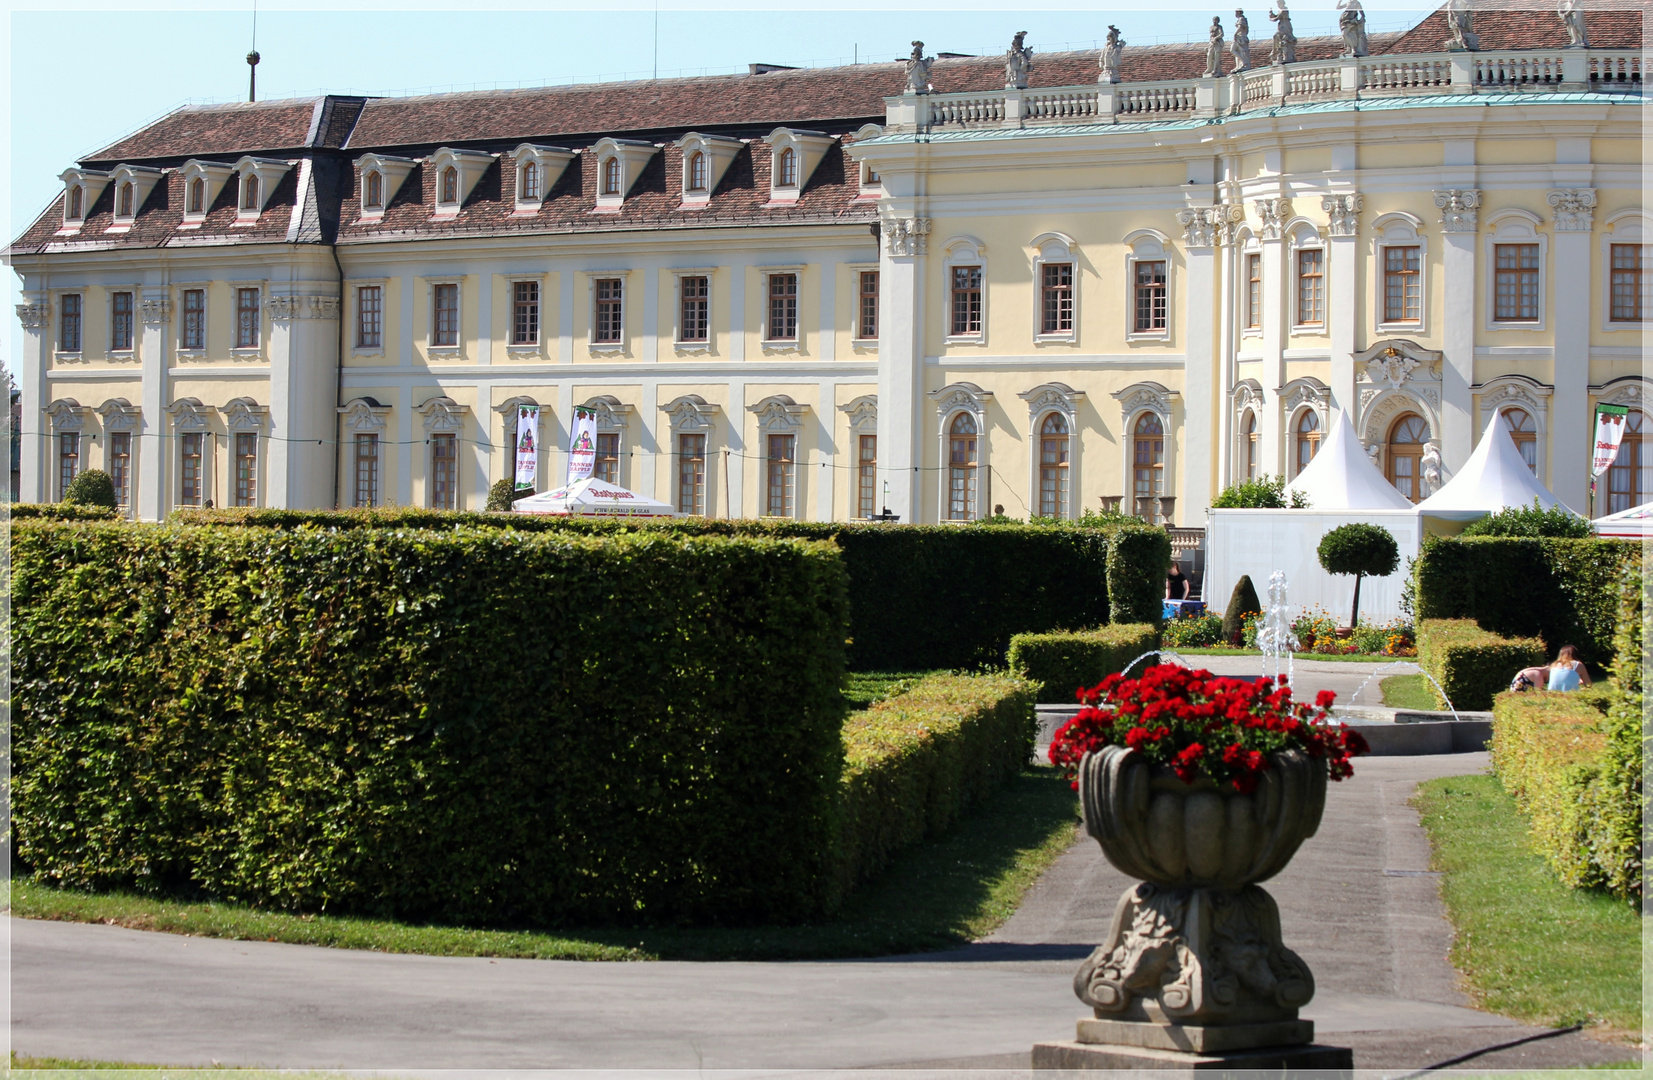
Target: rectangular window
(610, 310)
(190, 447)
(866, 324)
(444, 329)
(1402, 285)
(1150, 304)
(120, 322)
(693, 324)
(1515, 285)
(1632, 284)
(607, 466)
(246, 469)
(867, 478)
(370, 317)
(525, 313)
(120, 465)
(444, 472)
(966, 307)
(68, 331)
(782, 475)
(783, 307)
(68, 460)
(246, 318)
(1254, 292)
(1311, 292)
(691, 474)
(367, 470)
(1056, 299)
(192, 329)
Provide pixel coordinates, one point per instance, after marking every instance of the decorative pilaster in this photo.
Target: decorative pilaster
(1273, 213)
(1575, 209)
(1458, 223)
(900, 420)
(1571, 428)
(35, 316)
(1343, 213)
(1458, 206)
(907, 236)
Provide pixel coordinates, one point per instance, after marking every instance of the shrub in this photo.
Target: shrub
(1241, 603)
(1197, 632)
(1531, 521)
(483, 726)
(1138, 558)
(1263, 493)
(1359, 549)
(61, 512)
(1063, 663)
(1471, 664)
(913, 763)
(1546, 749)
(1617, 800)
(501, 495)
(92, 487)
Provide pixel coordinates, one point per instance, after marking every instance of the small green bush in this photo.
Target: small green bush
(1531, 521)
(92, 487)
(61, 512)
(1198, 632)
(1361, 550)
(501, 495)
(1062, 663)
(1241, 602)
(1263, 493)
(1471, 664)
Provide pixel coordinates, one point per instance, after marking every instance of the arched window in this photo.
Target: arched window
(125, 209)
(530, 181)
(1248, 447)
(1307, 437)
(611, 176)
(197, 195)
(375, 191)
(961, 468)
(1628, 483)
(1148, 466)
(1406, 441)
(1524, 433)
(249, 192)
(1053, 466)
(697, 171)
(786, 168)
(450, 185)
(75, 203)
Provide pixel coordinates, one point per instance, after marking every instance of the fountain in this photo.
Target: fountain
(1275, 637)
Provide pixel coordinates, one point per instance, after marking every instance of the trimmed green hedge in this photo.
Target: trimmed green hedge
(1617, 800)
(1563, 590)
(1063, 663)
(921, 596)
(913, 763)
(484, 726)
(62, 512)
(1546, 749)
(1471, 664)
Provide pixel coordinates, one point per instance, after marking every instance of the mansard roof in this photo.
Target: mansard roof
(264, 127)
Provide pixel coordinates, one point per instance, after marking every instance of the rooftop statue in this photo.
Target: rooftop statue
(1458, 20)
(1353, 25)
(918, 70)
(1110, 56)
(1018, 63)
(1285, 42)
(1240, 45)
(1571, 14)
(1214, 48)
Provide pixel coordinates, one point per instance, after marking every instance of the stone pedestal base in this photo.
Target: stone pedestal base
(1078, 1055)
(1193, 1038)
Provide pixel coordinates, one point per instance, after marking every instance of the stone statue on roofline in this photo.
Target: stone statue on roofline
(1285, 42)
(1240, 44)
(1112, 49)
(1571, 14)
(1352, 23)
(1018, 63)
(918, 70)
(1460, 22)
(1214, 48)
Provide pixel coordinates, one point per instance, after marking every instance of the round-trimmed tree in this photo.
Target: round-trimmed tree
(1361, 550)
(502, 494)
(94, 487)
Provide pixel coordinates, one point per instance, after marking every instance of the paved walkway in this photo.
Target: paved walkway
(1354, 903)
(1354, 682)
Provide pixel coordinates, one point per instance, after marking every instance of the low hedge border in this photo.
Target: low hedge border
(61, 512)
(1063, 663)
(914, 762)
(1470, 664)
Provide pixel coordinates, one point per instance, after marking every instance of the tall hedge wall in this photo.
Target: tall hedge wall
(1565, 591)
(484, 726)
(921, 596)
(1065, 663)
(1470, 664)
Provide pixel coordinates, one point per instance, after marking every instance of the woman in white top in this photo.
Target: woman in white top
(1568, 673)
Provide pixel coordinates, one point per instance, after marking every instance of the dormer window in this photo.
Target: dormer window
(81, 188)
(203, 180)
(612, 172)
(786, 168)
(133, 183)
(123, 207)
(373, 197)
(796, 154)
(249, 192)
(538, 170)
(697, 172)
(450, 185)
(197, 196)
(529, 186)
(457, 173)
(705, 159)
(76, 210)
(258, 178)
(381, 179)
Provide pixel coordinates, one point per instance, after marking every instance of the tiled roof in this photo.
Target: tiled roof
(1530, 28)
(241, 128)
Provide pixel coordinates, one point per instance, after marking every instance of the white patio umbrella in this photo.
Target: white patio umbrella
(592, 497)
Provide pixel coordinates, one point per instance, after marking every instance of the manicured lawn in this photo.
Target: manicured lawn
(941, 894)
(864, 688)
(1529, 947)
(1409, 692)
(1352, 658)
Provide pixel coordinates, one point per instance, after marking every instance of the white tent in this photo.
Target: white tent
(1632, 524)
(592, 497)
(1342, 477)
(1494, 478)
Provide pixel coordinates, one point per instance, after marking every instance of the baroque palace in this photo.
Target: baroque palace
(940, 286)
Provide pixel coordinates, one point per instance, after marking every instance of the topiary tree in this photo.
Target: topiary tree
(1531, 521)
(1264, 493)
(94, 487)
(502, 494)
(1359, 549)
(1242, 602)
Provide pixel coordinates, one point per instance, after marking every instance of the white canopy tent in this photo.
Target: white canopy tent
(592, 497)
(1342, 477)
(1494, 478)
(1635, 523)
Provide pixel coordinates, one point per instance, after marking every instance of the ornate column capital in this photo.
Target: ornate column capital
(907, 236)
(288, 308)
(1575, 209)
(1274, 213)
(1199, 225)
(1343, 213)
(155, 310)
(1458, 206)
(36, 315)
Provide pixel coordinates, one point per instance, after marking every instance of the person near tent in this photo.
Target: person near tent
(1568, 672)
(1176, 583)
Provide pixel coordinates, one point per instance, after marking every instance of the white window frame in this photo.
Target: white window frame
(857, 342)
(870, 184)
(633, 156)
(1053, 247)
(58, 352)
(720, 151)
(393, 172)
(952, 399)
(109, 294)
(213, 176)
(770, 343)
(692, 348)
(457, 349)
(1042, 401)
(355, 314)
(1136, 399)
(247, 352)
(1630, 226)
(809, 146)
(1248, 247)
(205, 289)
(962, 251)
(1149, 245)
(1398, 229)
(143, 180)
(552, 162)
(1304, 236)
(511, 346)
(269, 172)
(469, 165)
(91, 183)
(591, 279)
(1514, 226)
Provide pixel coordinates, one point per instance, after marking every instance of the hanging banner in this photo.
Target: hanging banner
(582, 446)
(1609, 433)
(528, 422)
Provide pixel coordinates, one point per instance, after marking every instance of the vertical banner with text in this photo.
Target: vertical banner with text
(1609, 433)
(528, 422)
(582, 446)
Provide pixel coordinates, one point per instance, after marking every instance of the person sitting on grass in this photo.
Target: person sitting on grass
(1568, 672)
